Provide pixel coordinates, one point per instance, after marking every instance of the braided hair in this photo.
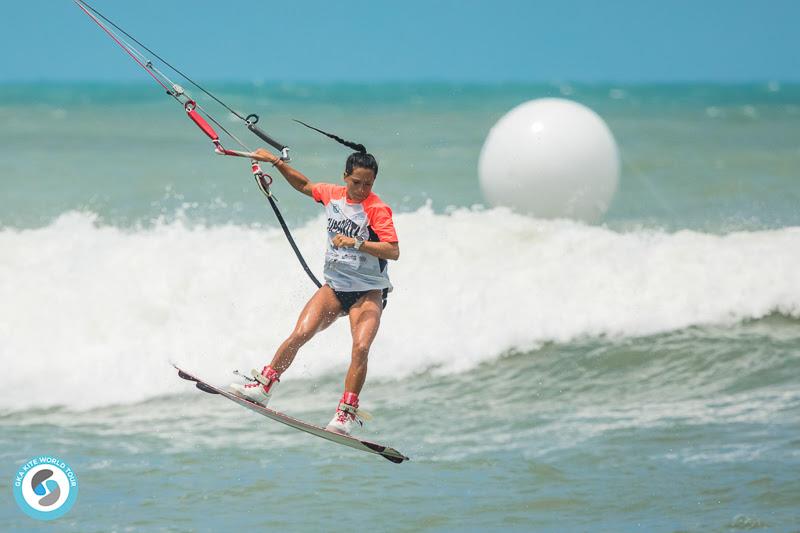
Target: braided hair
(358, 159)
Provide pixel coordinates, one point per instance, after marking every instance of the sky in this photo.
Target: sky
(636, 41)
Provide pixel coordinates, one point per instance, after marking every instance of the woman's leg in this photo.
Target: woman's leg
(365, 318)
(320, 312)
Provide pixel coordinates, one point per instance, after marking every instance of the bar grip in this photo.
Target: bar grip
(266, 138)
(252, 120)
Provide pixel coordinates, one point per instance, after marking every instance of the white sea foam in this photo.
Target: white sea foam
(92, 314)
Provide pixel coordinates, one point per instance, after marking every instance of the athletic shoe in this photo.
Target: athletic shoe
(346, 417)
(258, 391)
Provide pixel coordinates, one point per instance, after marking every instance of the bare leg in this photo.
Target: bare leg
(365, 318)
(320, 312)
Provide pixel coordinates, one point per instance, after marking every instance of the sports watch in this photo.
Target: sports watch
(358, 243)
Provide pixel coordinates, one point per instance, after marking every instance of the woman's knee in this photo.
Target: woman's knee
(301, 335)
(360, 351)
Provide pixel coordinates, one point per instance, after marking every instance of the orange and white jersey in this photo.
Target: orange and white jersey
(347, 269)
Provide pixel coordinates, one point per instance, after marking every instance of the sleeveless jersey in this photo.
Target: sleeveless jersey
(347, 269)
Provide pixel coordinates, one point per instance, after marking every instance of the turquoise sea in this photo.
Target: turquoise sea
(543, 375)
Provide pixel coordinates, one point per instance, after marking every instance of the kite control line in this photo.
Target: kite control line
(201, 117)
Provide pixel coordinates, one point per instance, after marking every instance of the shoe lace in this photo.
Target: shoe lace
(254, 385)
(351, 413)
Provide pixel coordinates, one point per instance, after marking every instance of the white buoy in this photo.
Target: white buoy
(551, 158)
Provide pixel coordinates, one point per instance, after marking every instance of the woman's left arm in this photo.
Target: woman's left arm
(381, 250)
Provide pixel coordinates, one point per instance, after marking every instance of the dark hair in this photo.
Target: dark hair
(361, 160)
(358, 159)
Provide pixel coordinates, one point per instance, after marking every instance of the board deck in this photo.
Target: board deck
(364, 445)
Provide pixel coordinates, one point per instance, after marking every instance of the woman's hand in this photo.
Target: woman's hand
(263, 155)
(340, 241)
(381, 250)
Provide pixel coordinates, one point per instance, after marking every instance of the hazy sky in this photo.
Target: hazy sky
(412, 40)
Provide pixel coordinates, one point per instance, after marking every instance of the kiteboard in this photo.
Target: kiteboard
(364, 445)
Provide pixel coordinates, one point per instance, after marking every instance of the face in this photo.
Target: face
(359, 184)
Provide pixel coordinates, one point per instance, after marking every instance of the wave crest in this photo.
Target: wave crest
(93, 313)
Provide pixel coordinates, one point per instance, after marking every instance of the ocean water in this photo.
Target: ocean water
(639, 374)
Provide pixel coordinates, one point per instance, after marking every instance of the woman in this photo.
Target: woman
(361, 238)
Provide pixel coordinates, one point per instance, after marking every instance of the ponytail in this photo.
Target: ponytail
(358, 159)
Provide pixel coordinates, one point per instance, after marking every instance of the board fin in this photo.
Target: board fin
(205, 388)
(184, 375)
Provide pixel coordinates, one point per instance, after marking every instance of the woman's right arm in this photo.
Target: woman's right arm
(295, 178)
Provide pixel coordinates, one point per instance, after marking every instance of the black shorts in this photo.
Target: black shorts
(348, 299)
